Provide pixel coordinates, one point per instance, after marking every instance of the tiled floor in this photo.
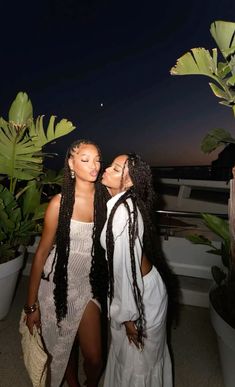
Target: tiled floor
(196, 361)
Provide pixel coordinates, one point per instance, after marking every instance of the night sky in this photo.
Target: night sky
(105, 66)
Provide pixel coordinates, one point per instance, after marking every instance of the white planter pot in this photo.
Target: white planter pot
(9, 272)
(226, 342)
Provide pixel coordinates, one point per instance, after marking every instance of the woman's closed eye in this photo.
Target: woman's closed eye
(116, 168)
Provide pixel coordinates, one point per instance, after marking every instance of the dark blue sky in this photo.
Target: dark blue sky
(73, 56)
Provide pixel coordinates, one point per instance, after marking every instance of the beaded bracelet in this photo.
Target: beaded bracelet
(31, 308)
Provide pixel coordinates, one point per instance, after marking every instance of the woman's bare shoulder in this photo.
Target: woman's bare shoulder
(54, 203)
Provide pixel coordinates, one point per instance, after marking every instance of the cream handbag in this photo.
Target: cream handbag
(35, 357)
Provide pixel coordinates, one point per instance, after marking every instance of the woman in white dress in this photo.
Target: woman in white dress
(138, 355)
(59, 298)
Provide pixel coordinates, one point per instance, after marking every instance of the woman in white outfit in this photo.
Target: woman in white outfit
(59, 296)
(138, 355)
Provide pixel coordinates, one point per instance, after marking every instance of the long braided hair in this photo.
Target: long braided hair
(143, 197)
(62, 249)
(99, 268)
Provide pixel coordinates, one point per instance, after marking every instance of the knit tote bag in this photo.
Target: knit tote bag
(35, 357)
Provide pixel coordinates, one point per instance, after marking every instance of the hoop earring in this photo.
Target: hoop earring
(72, 174)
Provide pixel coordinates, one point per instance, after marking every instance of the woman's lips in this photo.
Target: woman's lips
(93, 173)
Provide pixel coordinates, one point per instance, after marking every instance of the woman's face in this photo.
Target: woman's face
(116, 176)
(85, 162)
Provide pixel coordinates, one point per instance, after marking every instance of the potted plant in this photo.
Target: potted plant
(22, 197)
(199, 61)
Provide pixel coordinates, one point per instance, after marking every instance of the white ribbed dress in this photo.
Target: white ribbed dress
(59, 341)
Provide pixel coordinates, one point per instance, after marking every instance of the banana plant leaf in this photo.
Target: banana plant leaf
(21, 110)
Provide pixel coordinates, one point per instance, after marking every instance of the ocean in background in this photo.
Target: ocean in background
(197, 172)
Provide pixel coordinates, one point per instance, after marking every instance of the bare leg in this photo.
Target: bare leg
(89, 333)
(71, 373)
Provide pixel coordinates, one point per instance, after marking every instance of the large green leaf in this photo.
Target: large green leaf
(218, 91)
(223, 34)
(218, 225)
(21, 110)
(197, 61)
(31, 198)
(216, 138)
(53, 131)
(18, 154)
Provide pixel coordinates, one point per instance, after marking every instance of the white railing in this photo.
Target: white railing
(184, 201)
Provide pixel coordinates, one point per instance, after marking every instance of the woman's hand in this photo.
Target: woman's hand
(132, 333)
(33, 319)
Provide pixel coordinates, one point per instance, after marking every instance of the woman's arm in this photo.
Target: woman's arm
(42, 252)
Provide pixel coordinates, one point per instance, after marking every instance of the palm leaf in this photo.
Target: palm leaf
(223, 34)
(218, 91)
(197, 61)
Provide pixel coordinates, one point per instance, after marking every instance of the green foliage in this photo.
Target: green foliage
(199, 61)
(216, 138)
(218, 275)
(15, 227)
(23, 197)
(22, 140)
(220, 227)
